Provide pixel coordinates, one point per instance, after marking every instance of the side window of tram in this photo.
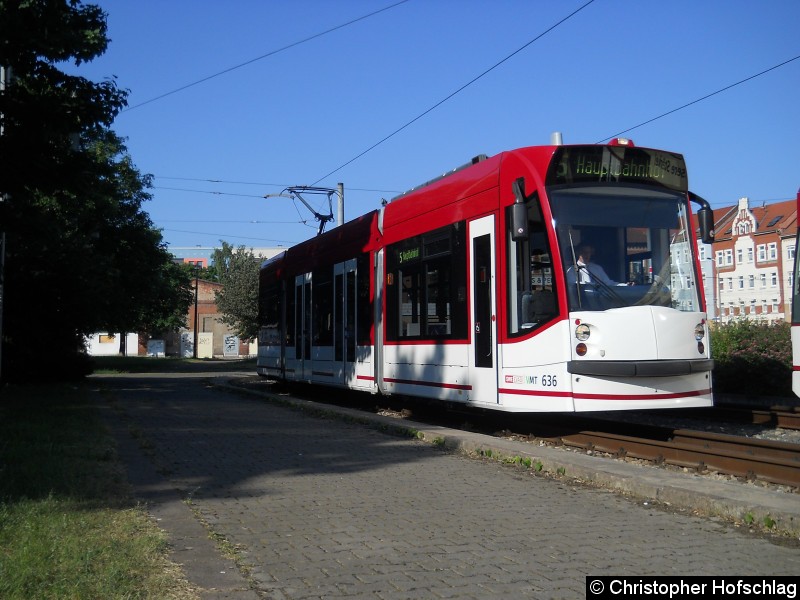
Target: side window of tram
(426, 286)
(289, 324)
(269, 311)
(364, 307)
(322, 328)
(532, 299)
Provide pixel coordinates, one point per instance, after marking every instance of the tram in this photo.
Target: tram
(559, 278)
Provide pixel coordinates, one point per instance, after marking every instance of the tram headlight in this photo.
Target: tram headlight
(582, 332)
(699, 332)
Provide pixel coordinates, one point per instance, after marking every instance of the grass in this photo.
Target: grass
(68, 527)
(146, 364)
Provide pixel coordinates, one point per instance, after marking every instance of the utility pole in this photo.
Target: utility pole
(5, 80)
(340, 205)
(196, 287)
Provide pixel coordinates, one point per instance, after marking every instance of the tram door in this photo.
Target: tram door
(344, 341)
(302, 324)
(483, 355)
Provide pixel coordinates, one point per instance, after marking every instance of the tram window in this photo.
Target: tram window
(364, 307)
(532, 299)
(289, 323)
(322, 280)
(269, 305)
(426, 286)
(269, 314)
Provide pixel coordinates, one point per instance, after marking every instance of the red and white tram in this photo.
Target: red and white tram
(478, 288)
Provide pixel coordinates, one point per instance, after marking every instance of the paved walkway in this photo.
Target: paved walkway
(322, 508)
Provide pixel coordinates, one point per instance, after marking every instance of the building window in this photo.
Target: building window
(763, 280)
(790, 252)
(773, 251)
(730, 283)
(751, 281)
(762, 252)
(720, 258)
(721, 284)
(741, 282)
(750, 254)
(739, 256)
(728, 257)
(774, 279)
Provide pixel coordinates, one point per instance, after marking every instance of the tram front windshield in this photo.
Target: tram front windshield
(625, 246)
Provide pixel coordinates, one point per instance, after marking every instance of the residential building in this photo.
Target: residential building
(748, 270)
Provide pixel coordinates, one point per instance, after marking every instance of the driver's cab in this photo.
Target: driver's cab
(625, 246)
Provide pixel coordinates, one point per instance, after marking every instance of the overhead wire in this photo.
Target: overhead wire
(263, 56)
(262, 184)
(251, 222)
(458, 91)
(230, 236)
(719, 91)
(409, 123)
(424, 113)
(212, 192)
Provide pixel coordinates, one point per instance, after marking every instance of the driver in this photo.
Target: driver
(588, 271)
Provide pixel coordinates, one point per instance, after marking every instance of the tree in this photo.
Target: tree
(238, 301)
(81, 254)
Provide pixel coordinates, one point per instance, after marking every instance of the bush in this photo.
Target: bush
(752, 358)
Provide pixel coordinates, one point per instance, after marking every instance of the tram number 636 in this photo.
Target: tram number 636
(549, 381)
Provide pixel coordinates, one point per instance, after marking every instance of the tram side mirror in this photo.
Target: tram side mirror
(519, 212)
(705, 218)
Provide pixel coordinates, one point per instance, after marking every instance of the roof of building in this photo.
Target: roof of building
(776, 217)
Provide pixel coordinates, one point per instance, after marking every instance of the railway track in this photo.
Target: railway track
(787, 417)
(702, 451)
(752, 459)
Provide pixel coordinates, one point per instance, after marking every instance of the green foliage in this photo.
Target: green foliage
(81, 255)
(752, 358)
(67, 526)
(238, 301)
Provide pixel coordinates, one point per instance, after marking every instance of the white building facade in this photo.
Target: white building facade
(751, 262)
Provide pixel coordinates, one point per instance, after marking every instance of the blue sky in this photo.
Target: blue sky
(298, 115)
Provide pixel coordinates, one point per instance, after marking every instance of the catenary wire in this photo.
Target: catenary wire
(230, 236)
(235, 222)
(212, 192)
(459, 90)
(268, 54)
(261, 184)
(719, 91)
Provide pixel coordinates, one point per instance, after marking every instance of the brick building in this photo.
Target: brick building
(212, 333)
(748, 271)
